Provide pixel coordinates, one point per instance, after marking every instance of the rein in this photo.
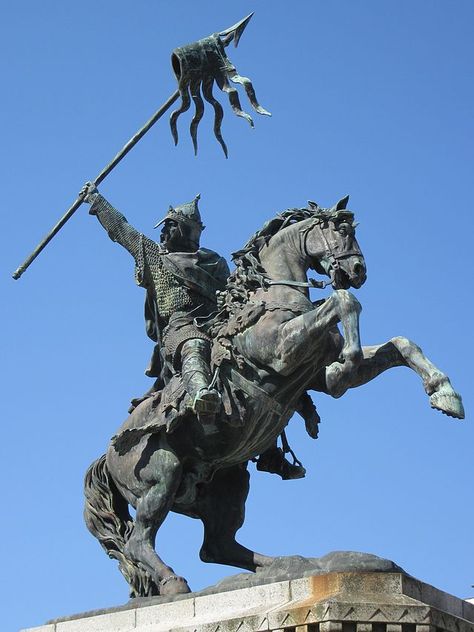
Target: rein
(311, 283)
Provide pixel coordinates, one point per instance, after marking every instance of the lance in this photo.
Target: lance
(197, 67)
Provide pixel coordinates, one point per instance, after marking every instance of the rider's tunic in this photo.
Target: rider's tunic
(181, 286)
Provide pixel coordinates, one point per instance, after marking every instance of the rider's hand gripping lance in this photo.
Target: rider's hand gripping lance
(197, 67)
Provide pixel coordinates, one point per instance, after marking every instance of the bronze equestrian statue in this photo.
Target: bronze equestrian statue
(269, 345)
(182, 280)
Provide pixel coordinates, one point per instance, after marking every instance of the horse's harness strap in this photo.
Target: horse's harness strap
(333, 259)
(295, 308)
(332, 256)
(342, 255)
(255, 391)
(312, 283)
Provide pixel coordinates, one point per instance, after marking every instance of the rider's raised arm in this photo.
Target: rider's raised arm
(113, 221)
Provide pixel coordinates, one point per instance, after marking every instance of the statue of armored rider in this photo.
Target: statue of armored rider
(181, 280)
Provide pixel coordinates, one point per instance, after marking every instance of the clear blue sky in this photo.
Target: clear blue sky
(370, 98)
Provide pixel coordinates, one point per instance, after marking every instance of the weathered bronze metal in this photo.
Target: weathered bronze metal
(269, 345)
(196, 64)
(235, 354)
(181, 280)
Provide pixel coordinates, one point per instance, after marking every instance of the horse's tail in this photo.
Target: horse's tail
(108, 519)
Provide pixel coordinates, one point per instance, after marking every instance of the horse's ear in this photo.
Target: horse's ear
(314, 206)
(342, 204)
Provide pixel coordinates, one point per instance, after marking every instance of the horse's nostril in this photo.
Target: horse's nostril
(358, 268)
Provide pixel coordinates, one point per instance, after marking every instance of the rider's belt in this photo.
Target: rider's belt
(253, 390)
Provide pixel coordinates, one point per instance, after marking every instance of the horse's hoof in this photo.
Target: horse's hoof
(336, 379)
(174, 585)
(448, 402)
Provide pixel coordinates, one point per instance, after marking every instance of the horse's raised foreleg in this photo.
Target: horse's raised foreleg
(162, 475)
(305, 336)
(400, 351)
(339, 373)
(221, 508)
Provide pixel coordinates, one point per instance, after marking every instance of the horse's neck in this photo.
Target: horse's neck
(284, 258)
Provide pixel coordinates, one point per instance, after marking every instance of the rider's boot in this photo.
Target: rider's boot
(196, 376)
(274, 461)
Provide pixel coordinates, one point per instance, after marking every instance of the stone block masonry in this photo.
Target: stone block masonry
(332, 602)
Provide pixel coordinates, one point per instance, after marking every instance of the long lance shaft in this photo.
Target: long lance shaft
(197, 67)
(102, 175)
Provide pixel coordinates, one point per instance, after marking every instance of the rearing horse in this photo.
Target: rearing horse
(270, 345)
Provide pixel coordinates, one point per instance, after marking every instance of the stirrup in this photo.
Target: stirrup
(207, 401)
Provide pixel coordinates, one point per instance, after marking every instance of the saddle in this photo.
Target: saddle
(164, 408)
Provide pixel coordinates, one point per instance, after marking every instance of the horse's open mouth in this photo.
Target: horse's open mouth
(340, 280)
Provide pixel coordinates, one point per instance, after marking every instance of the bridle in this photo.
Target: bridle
(333, 258)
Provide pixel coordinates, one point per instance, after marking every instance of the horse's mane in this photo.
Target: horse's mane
(249, 274)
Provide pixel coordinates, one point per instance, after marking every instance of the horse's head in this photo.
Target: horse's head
(332, 248)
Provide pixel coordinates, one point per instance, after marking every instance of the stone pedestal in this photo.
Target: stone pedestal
(332, 602)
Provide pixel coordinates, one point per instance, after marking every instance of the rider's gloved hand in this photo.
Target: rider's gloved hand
(89, 193)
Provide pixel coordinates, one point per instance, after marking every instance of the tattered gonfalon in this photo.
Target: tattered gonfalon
(197, 66)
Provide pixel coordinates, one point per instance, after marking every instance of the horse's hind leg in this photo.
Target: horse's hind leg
(221, 507)
(400, 351)
(161, 475)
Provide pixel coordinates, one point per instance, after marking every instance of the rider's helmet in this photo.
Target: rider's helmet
(188, 218)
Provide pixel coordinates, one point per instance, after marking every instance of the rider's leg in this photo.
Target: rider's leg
(196, 375)
(221, 507)
(274, 461)
(162, 474)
